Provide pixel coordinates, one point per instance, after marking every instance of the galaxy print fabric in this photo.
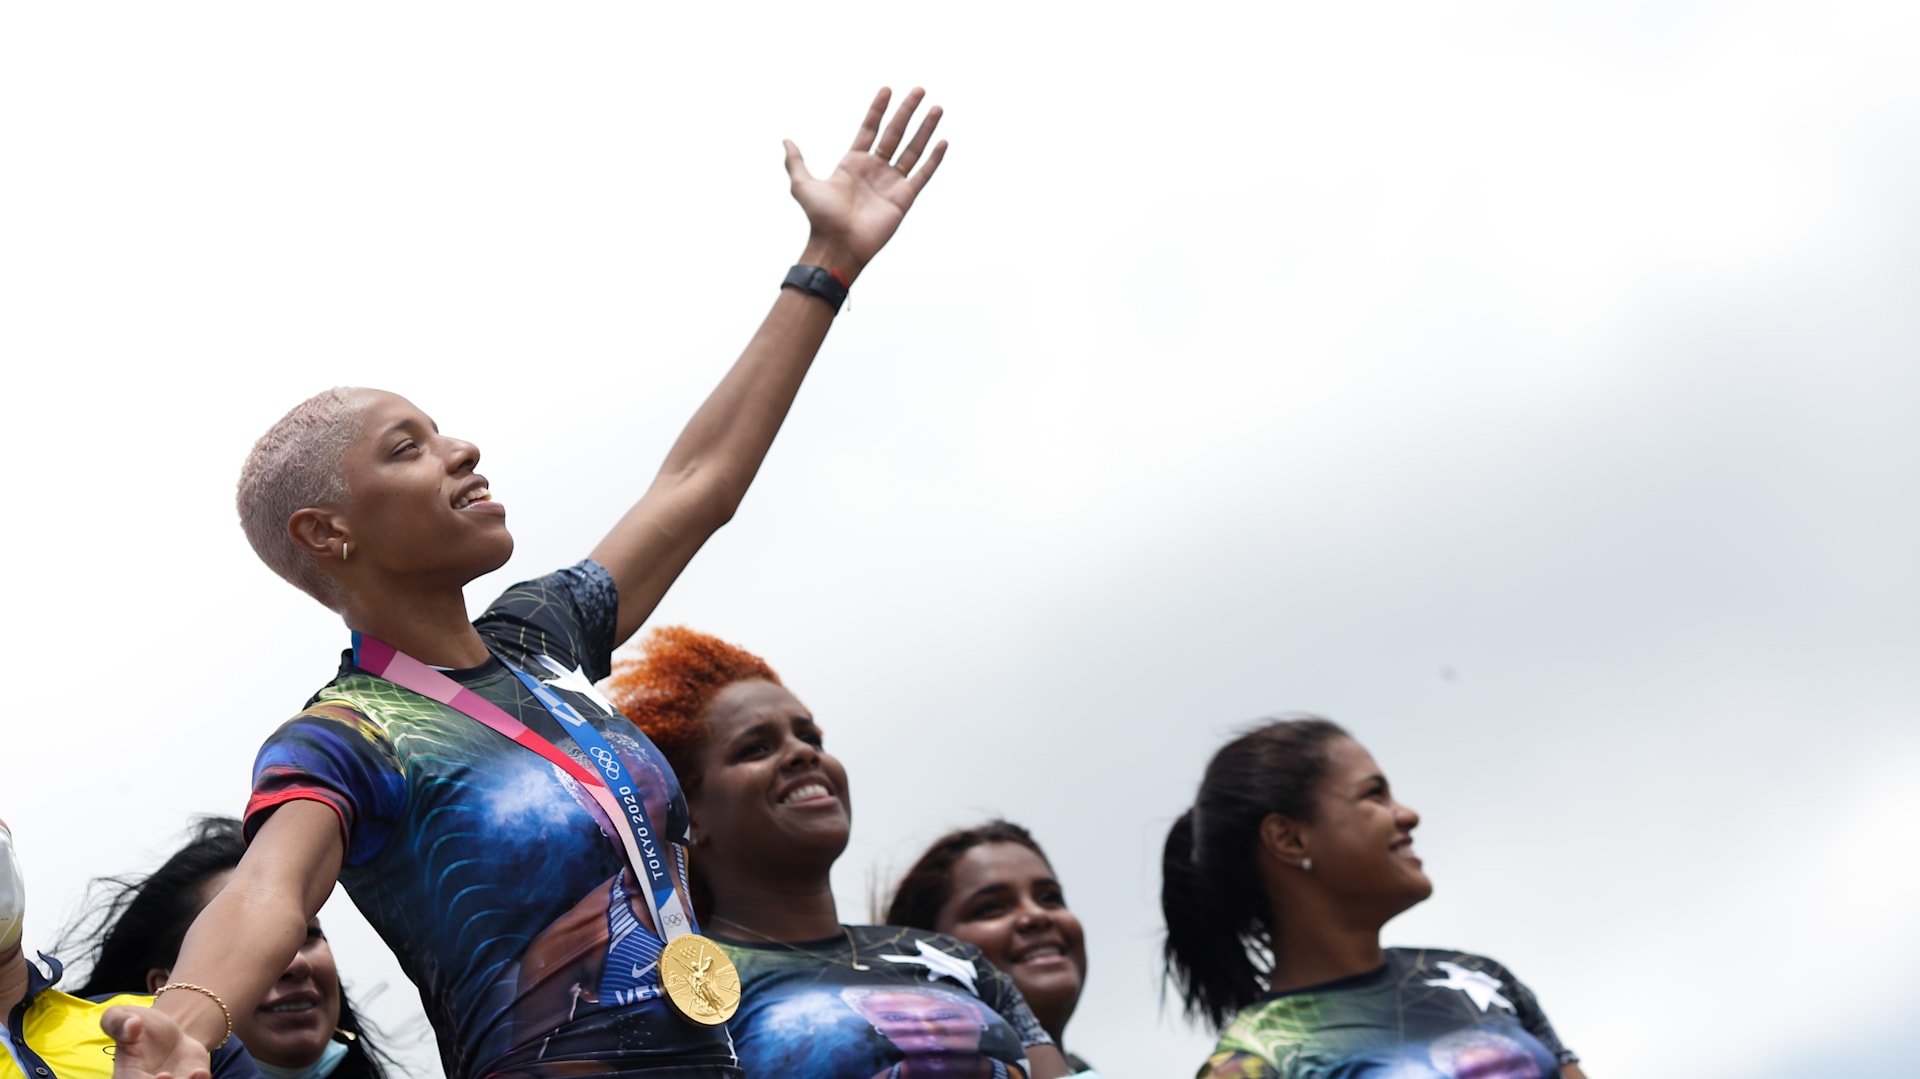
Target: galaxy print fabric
(493, 876)
(927, 1005)
(1423, 1015)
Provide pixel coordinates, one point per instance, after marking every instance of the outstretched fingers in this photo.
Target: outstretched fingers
(925, 172)
(918, 146)
(870, 126)
(897, 127)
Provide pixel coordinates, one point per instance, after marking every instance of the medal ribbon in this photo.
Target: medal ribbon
(613, 789)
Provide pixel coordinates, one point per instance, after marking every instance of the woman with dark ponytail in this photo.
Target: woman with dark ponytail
(304, 1028)
(1275, 887)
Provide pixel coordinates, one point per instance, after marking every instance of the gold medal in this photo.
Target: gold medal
(702, 985)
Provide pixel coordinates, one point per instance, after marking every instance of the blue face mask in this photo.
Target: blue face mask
(330, 1059)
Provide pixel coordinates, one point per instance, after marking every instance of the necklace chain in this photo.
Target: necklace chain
(852, 949)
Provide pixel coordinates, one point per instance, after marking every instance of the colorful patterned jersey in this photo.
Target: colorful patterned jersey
(495, 878)
(925, 1005)
(1422, 1015)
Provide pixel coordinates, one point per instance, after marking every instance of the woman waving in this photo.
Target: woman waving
(509, 835)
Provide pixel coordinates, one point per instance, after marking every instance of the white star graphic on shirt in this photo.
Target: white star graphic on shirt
(1481, 988)
(575, 680)
(939, 964)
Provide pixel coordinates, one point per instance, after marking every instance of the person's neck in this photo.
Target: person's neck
(13, 981)
(1055, 1026)
(775, 910)
(430, 626)
(1314, 946)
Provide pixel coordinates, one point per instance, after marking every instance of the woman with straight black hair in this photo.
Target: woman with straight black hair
(305, 1028)
(1276, 886)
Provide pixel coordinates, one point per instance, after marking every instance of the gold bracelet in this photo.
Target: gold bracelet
(210, 995)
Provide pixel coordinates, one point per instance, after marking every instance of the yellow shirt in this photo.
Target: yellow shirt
(64, 1032)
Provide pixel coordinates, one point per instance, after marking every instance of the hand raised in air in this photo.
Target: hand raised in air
(856, 209)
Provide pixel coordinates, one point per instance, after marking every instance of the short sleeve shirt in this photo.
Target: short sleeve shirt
(806, 1013)
(1423, 1014)
(498, 882)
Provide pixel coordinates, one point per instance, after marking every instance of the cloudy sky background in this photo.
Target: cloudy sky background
(1530, 387)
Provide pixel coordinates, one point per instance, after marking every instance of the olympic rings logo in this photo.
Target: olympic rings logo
(607, 761)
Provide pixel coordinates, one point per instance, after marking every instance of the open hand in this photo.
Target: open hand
(855, 211)
(150, 1045)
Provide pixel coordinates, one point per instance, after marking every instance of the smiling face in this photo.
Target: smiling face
(1004, 900)
(1361, 839)
(415, 507)
(293, 1023)
(766, 792)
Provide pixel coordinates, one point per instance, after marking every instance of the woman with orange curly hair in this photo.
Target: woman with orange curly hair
(770, 813)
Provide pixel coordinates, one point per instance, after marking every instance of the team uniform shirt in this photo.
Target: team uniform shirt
(1422, 1014)
(926, 1005)
(494, 876)
(54, 1035)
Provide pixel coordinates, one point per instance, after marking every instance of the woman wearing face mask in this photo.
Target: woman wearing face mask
(304, 1028)
(770, 814)
(508, 834)
(992, 887)
(1276, 886)
(53, 1035)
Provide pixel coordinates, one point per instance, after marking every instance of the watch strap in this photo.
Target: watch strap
(817, 281)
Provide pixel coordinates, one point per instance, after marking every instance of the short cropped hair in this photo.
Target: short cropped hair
(666, 689)
(296, 464)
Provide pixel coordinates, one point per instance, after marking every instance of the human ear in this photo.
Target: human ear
(157, 977)
(1282, 840)
(318, 533)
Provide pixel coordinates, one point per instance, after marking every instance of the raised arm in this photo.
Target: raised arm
(853, 213)
(237, 948)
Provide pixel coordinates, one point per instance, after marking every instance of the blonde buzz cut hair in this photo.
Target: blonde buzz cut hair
(296, 464)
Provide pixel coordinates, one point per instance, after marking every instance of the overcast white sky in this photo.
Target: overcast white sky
(1530, 387)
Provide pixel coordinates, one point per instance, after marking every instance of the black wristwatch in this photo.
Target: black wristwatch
(817, 281)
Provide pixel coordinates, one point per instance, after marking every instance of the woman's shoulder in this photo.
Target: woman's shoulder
(348, 710)
(910, 937)
(1238, 1064)
(1418, 1001)
(935, 953)
(927, 957)
(568, 615)
(1447, 963)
